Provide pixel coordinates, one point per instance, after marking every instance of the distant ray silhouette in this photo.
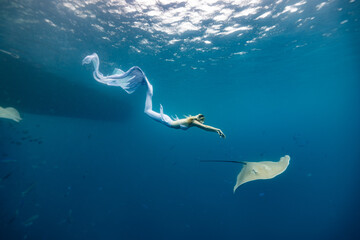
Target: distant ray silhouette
(10, 113)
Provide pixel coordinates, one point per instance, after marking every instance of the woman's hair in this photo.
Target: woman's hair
(201, 118)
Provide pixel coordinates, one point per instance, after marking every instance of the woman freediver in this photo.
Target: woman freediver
(131, 80)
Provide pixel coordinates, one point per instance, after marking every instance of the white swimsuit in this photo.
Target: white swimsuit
(168, 121)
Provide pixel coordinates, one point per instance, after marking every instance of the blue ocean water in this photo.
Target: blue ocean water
(278, 77)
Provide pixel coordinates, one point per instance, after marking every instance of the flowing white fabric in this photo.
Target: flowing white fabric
(129, 81)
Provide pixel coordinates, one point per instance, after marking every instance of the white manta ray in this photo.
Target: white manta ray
(261, 170)
(258, 170)
(10, 113)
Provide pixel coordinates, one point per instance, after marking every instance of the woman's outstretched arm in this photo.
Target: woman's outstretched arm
(208, 128)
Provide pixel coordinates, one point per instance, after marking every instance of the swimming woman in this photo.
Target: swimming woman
(184, 123)
(131, 80)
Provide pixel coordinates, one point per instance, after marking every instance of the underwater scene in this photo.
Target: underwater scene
(179, 119)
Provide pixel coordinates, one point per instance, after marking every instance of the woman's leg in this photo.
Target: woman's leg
(148, 103)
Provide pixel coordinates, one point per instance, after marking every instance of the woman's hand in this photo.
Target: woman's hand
(221, 134)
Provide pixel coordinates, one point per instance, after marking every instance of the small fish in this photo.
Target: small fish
(11, 220)
(6, 176)
(8, 160)
(28, 222)
(28, 190)
(68, 218)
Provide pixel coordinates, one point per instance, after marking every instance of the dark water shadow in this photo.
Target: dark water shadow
(31, 89)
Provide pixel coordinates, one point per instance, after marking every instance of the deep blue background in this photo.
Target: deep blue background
(98, 168)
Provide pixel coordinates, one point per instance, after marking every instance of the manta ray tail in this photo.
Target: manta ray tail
(223, 161)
